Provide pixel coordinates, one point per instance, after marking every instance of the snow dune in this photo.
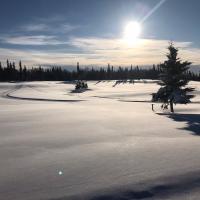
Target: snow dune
(107, 143)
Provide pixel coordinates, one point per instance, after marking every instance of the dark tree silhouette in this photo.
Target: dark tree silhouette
(24, 73)
(77, 67)
(173, 81)
(20, 70)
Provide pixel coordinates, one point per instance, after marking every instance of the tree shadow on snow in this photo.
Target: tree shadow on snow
(161, 188)
(80, 90)
(192, 121)
(128, 195)
(179, 185)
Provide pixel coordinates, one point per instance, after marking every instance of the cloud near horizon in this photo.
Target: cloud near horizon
(49, 28)
(37, 40)
(93, 51)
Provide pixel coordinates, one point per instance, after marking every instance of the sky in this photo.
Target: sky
(64, 32)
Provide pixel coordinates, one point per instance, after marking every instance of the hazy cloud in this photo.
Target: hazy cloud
(35, 27)
(32, 40)
(51, 28)
(146, 51)
(96, 51)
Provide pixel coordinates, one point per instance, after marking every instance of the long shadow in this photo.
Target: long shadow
(67, 82)
(40, 99)
(192, 121)
(98, 82)
(80, 90)
(8, 95)
(161, 188)
(181, 184)
(128, 195)
(123, 82)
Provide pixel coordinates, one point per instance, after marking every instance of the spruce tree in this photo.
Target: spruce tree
(24, 73)
(77, 67)
(20, 70)
(8, 64)
(173, 81)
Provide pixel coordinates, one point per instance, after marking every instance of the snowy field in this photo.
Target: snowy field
(102, 144)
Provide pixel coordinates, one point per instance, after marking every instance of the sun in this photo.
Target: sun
(132, 32)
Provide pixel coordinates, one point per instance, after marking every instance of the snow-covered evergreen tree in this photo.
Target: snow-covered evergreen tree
(173, 81)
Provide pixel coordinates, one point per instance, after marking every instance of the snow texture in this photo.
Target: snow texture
(103, 144)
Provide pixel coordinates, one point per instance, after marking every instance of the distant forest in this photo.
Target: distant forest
(11, 72)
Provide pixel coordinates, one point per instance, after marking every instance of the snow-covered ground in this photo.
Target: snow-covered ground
(102, 144)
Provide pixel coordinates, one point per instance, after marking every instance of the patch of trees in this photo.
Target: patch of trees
(11, 72)
(81, 85)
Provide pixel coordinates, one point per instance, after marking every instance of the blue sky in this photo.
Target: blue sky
(91, 31)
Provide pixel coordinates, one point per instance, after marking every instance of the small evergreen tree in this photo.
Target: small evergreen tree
(173, 81)
(24, 73)
(8, 64)
(77, 67)
(20, 70)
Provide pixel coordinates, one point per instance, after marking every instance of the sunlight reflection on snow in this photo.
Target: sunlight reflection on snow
(60, 173)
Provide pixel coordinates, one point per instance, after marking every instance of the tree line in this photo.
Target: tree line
(13, 72)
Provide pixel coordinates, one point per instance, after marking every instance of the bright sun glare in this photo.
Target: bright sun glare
(132, 32)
